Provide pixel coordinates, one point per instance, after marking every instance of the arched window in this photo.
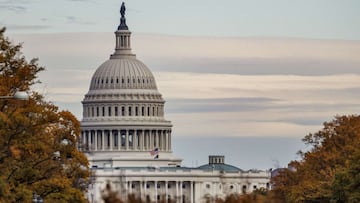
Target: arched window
(116, 111)
(136, 111)
(122, 111)
(129, 111)
(109, 110)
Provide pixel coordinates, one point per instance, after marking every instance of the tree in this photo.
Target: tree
(38, 151)
(330, 170)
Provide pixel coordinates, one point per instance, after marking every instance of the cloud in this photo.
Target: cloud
(27, 27)
(216, 87)
(76, 20)
(15, 6)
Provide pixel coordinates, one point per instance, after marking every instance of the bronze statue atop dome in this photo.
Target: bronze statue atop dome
(122, 10)
(123, 25)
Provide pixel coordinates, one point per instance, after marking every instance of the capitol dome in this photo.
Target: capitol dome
(123, 112)
(123, 73)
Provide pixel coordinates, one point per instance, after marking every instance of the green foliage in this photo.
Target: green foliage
(32, 155)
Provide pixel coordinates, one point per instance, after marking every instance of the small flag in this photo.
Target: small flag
(154, 152)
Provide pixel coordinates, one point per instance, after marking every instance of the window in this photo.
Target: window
(147, 186)
(231, 187)
(136, 111)
(208, 186)
(254, 187)
(116, 140)
(142, 111)
(148, 111)
(122, 111)
(92, 112)
(244, 189)
(130, 110)
(109, 109)
(158, 185)
(107, 133)
(132, 186)
(103, 111)
(97, 111)
(116, 111)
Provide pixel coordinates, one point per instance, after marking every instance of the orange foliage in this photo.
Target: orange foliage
(32, 155)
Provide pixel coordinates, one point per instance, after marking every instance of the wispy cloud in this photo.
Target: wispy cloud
(15, 6)
(77, 20)
(217, 92)
(27, 27)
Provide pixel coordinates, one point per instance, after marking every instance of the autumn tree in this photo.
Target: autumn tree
(329, 171)
(38, 151)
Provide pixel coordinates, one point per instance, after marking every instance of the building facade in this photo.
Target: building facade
(128, 141)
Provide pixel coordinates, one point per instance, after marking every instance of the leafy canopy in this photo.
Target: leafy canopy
(37, 141)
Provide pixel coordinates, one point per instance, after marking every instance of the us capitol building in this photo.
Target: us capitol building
(128, 141)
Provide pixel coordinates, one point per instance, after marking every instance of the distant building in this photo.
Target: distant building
(128, 141)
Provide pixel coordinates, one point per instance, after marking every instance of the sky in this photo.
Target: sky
(244, 78)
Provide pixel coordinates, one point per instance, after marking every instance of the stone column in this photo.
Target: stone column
(177, 191)
(96, 138)
(191, 192)
(142, 137)
(169, 140)
(119, 139)
(88, 140)
(150, 140)
(111, 140)
(181, 191)
(166, 140)
(102, 140)
(166, 191)
(141, 190)
(135, 140)
(163, 140)
(145, 190)
(156, 191)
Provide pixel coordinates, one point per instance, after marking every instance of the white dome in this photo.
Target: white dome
(123, 73)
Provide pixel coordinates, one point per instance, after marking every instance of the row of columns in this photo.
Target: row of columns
(125, 110)
(154, 190)
(123, 41)
(126, 140)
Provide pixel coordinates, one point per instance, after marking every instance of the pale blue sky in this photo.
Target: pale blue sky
(247, 79)
(319, 19)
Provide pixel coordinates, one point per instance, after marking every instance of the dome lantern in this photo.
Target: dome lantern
(123, 42)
